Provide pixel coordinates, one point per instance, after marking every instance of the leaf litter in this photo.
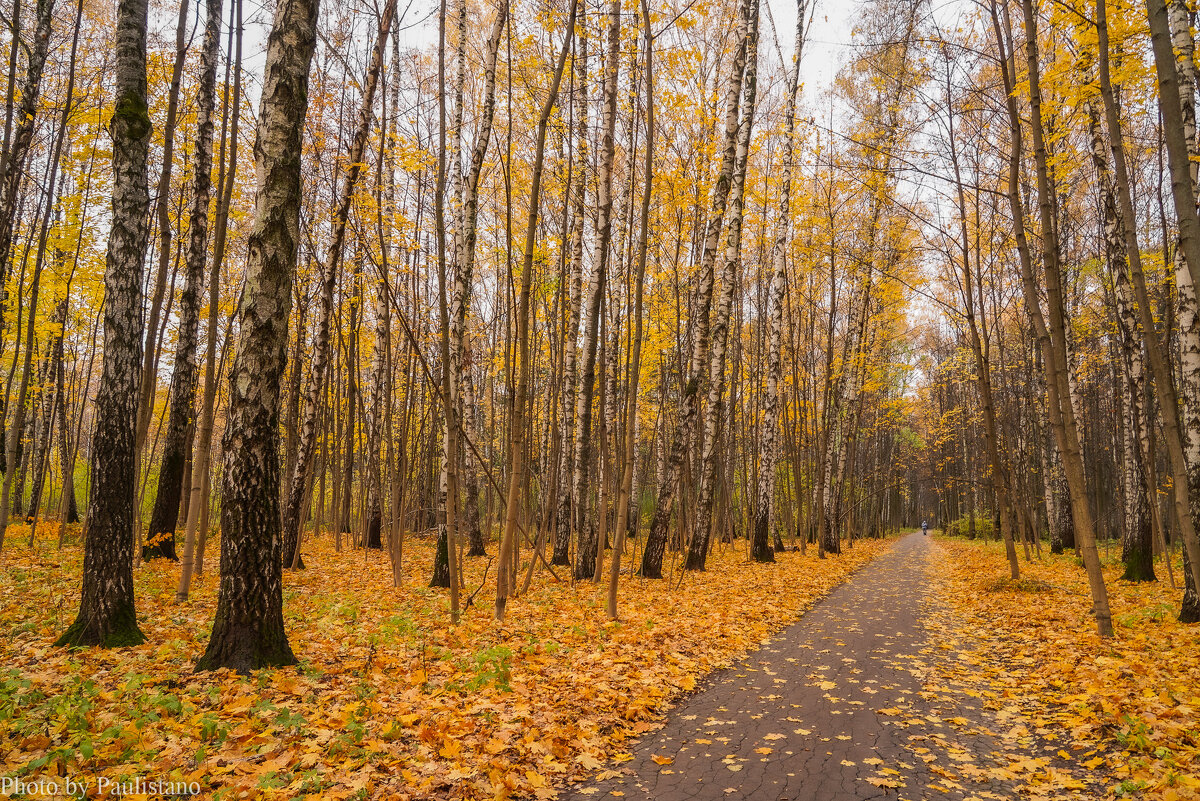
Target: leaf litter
(389, 699)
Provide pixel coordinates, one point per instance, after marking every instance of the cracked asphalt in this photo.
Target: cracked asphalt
(837, 706)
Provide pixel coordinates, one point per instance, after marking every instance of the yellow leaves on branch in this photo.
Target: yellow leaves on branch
(388, 698)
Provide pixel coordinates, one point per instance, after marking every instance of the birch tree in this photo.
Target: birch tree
(656, 539)
(248, 631)
(107, 616)
(163, 520)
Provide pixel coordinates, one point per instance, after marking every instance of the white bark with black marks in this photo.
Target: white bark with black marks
(106, 611)
(248, 632)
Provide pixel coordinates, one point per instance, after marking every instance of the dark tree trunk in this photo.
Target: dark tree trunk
(106, 611)
(177, 446)
(441, 562)
(1190, 611)
(248, 631)
(475, 542)
(374, 523)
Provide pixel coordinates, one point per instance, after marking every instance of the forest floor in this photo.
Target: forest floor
(389, 699)
(924, 677)
(1126, 709)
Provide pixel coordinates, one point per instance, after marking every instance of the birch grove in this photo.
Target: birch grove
(582, 293)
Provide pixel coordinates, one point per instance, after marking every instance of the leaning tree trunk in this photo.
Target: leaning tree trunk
(1066, 427)
(584, 525)
(516, 454)
(248, 631)
(1052, 336)
(177, 441)
(15, 159)
(106, 611)
(68, 512)
(656, 540)
(16, 152)
(769, 437)
(714, 410)
(292, 512)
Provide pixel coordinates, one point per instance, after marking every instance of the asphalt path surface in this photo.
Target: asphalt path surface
(837, 706)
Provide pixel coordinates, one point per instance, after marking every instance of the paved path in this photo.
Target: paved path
(840, 705)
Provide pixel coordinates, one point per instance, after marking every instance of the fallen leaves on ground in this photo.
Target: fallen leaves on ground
(1121, 711)
(389, 700)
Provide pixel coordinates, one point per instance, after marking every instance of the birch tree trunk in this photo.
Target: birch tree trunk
(769, 435)
(106, 610)
(625, 491)
(564, 509)
(449, 485)
(1137, 542)
(197, 518)
(248, 631)
(322, 340)
(464, 264)
(1189, 309)
(656, 539)
(1164, 385)
(714, 410)
(163, 520)
(585, 529)
(465, 194)
(162, 214)
(443, 553)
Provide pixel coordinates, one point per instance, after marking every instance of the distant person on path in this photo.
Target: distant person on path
(925, 528)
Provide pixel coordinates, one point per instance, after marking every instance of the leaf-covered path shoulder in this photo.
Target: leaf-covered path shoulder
(860, 699)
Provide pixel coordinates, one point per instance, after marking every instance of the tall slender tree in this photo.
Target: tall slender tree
(711, 434)
(516, 452)
(586, 532)
(322, 338)
(182, 398)
(769, 434)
